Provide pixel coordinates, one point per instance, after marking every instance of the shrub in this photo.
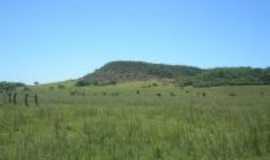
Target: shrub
(26, 89)
(154, 84)
(82, 83)
(112, 82)
(232, 94)
(203, 94)
(73, 93)
(61, 86)
(51, 88)
(158, 94)
(115, 94)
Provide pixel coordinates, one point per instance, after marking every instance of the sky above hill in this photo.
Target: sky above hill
(54, 40)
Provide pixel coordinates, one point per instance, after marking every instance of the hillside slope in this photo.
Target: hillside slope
(122, 71)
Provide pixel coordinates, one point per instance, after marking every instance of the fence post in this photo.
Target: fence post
(15, 98)
(26, 99)
(36, 99)
(4, 98)
(9, 98)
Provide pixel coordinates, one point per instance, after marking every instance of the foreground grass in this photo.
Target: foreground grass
(130, 126)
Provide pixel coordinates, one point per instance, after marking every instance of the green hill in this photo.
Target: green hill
(122, 71)
(125, 71)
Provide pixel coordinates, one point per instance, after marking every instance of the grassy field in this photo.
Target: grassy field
(138, 121)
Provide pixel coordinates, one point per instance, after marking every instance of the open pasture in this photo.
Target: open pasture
(137, 120)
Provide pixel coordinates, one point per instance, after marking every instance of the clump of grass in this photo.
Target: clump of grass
(203, 94)
(232, 94)
(61, 86)
(51, 88)
(172, 94)
(72, 93)
(115, 94)
(77, 93)
(158, 153)
(154, 84)
(26, 89)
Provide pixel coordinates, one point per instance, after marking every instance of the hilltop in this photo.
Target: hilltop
(126, 71)
(123, 71)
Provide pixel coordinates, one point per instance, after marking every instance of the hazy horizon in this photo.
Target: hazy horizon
(49, 41)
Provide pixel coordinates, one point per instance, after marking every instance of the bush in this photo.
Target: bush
(73, 93)
(61, 86)
(232, 94)
(115, 94)
(112, 82)
(82, 83)
(154, 84)
(26, 89)
(158, 94)
(51, 88)
(203, 94)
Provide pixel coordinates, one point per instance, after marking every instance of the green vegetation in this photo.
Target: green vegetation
(137, 110)
(138, 120)
(124, 71)
(230, 76)
(4, 86)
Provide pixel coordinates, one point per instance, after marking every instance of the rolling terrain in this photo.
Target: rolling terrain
(138, 110)
(137, 120)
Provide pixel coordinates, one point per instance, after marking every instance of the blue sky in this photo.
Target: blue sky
(54, 40)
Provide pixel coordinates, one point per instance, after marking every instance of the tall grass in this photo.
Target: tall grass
(145, 126)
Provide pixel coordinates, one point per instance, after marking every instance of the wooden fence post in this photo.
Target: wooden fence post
(36, 99)
(15, 98)
(9, 98)
(4, 98)
(26, 99)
